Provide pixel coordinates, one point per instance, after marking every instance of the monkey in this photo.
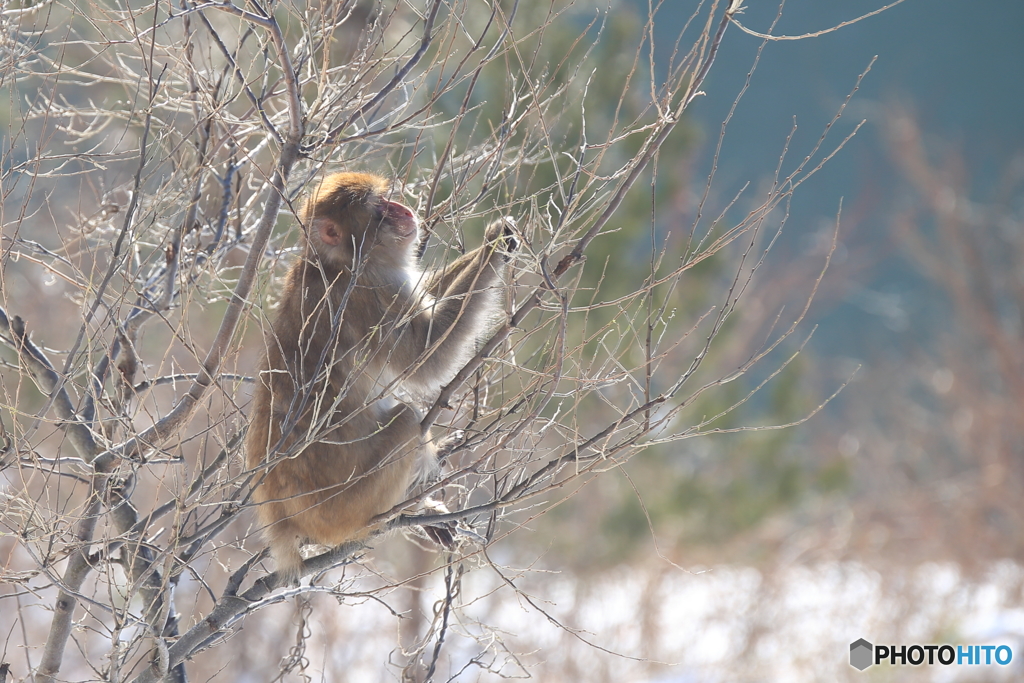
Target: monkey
(360, 338)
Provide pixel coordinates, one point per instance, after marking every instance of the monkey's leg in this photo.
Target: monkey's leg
(360, 477)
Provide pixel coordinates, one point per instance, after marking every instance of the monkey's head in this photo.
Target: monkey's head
(350, 219)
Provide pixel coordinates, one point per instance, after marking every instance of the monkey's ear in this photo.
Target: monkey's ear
(326, 231)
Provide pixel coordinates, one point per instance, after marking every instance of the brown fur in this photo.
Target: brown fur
(361, 336)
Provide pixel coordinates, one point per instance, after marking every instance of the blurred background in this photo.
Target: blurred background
(922, 303)
(925, 292)
(897, 513)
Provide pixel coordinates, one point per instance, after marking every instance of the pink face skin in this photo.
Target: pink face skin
(401, 218)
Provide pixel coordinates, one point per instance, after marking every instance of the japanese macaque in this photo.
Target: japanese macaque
(361, 341)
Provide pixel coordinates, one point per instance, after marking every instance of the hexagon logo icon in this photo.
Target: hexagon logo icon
(861, 654)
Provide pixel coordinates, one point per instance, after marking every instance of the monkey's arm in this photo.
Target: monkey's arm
(500, 232)
(441, 336)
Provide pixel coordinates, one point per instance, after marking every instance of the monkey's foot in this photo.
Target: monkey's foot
(443, 535)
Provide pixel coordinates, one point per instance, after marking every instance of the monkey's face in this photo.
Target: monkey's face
(353, 225)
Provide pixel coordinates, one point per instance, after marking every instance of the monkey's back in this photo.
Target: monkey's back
(329, 454)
